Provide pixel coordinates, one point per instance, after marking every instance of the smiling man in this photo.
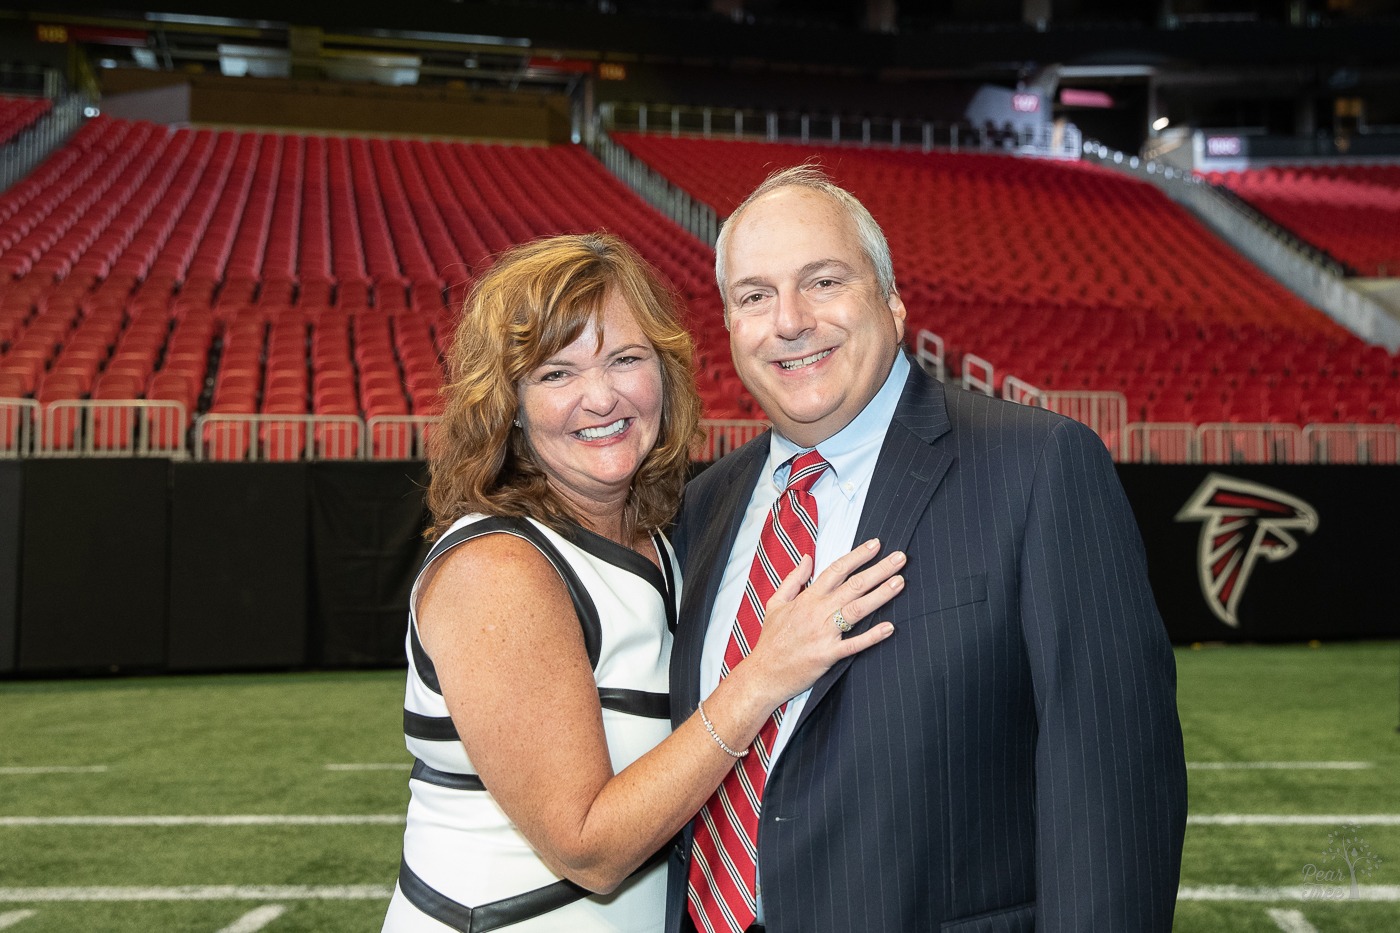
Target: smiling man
(1010, 759)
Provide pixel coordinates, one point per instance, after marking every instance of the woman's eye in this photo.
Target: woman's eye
(553, 375)
(628, 360)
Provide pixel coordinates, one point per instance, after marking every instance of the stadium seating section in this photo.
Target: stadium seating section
(245, 272)
(18, 114)
(1071, 277)
(250, 272)
(1351, 212)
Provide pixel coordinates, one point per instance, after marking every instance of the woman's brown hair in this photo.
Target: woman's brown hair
(535, 301)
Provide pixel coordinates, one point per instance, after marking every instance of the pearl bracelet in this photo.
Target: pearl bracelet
(710, 728)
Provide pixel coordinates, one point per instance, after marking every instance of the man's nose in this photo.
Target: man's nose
(793, 316)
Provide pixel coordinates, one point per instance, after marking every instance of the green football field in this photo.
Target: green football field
(274, 802)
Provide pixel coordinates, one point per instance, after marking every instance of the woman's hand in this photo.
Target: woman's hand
(801, 640)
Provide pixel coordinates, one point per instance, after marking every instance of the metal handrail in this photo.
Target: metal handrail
(113, 428)
(699, 219)
(17, 418)
(1064, 141)
(724, 435)
(19, 156)
(398, 437)
(267, 437)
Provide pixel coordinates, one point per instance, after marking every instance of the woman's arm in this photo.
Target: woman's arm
(510, 657)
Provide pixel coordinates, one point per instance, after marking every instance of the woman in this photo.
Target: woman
(538, 640)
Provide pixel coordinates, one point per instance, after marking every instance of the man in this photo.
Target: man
(1010, 759)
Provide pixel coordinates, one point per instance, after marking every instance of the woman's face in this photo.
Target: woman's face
(591, 412)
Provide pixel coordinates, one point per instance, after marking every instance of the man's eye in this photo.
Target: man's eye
(826, 283)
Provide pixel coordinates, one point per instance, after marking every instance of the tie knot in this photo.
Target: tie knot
(806, 470)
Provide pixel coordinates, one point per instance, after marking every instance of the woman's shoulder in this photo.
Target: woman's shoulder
(495, 550)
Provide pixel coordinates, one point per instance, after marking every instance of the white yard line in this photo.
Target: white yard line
(271, 819)
(1279, 765)
(372, 766)
(1321, 893)
(52, 769)
(1290, 921)
(207, 892)
(255, 920)
(12, 917)
(1293, 819)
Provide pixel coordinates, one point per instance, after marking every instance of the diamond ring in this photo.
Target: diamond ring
(840, 619)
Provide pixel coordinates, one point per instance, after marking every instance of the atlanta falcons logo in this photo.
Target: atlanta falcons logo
(1243, 521)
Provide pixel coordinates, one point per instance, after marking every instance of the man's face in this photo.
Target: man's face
(811, 337)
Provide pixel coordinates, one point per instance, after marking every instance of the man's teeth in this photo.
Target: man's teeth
(607, 430)
(805, 361)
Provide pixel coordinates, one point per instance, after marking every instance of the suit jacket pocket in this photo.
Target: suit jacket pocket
(958, 591)
(1018, 919)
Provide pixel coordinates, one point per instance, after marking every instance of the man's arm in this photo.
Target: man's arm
(1110, 771)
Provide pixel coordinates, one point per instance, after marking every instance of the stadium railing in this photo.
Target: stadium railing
(1177, 442)
(1278, 252)
(1160, 442)
(929, 351)
(273, 437)
(139, 428)
(1352, 443)
(17, 418)
(399, 437)
(1231, 442)
(722, 436)
(698, 219)
(1049, 140)
(19, 156)
(110, 428)
(978, 375)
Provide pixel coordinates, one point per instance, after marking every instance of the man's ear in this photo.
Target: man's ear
(896, 305)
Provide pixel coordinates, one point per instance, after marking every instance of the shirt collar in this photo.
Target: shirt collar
(851, 447)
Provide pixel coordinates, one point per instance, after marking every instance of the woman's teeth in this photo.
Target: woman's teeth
(607, 430)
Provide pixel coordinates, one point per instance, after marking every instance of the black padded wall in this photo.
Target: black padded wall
(93, 565)
(11, 515)
(366, 526)
(238, 580)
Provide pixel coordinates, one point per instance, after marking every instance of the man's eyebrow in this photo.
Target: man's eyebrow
(748, 280)
(817, 265)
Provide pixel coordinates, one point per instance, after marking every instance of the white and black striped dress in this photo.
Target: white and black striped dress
(465, 865)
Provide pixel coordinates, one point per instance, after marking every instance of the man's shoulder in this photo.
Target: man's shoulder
(997, 421)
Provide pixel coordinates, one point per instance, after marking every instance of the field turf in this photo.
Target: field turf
(220, 746)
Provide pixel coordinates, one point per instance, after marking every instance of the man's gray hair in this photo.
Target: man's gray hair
(811, 177)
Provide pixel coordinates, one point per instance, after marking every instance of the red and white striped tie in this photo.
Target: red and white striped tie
(724, 858)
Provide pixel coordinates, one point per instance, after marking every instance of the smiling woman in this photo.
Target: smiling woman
(533, 306)
(547, 780)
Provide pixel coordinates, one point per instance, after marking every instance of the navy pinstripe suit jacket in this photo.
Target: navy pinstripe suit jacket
(1010, 759)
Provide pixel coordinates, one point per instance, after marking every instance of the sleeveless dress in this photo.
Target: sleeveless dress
(465, 865)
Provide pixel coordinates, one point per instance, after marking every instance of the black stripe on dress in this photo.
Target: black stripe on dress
(429, 728)
(456, 781)
(635, 702)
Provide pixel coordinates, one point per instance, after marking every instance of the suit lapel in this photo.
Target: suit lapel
(705, 564)
(907, 473)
